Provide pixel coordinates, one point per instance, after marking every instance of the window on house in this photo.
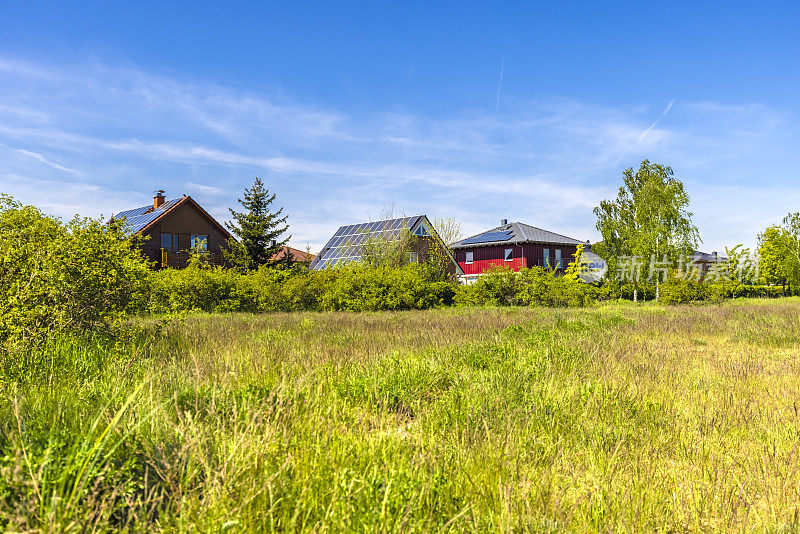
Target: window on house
(469, 257)
(413, 257)
(546, 256)
(558, 259)
(509, 255)
(169, 241)
(199, 241)
(421, 230)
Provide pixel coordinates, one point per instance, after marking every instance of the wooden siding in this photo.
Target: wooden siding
(525, 255)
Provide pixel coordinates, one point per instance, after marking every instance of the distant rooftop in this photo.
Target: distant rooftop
(296, 254)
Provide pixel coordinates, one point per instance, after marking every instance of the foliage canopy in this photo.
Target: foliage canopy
(648, 219)
(78, 277)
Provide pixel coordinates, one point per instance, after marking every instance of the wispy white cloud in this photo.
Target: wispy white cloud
(500, 85)
(95, 139)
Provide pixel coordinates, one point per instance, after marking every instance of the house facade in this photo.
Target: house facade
(515, 245)
(357, 242)
(173, 228)
(703, 262)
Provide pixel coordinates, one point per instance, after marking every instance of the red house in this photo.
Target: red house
(515, 245)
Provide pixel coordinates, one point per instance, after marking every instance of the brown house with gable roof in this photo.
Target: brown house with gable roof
(173, 228)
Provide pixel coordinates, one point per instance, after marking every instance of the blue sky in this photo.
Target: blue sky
(478, 111)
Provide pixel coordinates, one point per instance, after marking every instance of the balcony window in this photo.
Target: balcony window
(199, 242)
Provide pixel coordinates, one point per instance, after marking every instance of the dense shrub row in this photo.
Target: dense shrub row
(354, 288)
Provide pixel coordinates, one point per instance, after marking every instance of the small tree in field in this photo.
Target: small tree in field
(779, 248)
(649, 219)
(258, 229)
(773, 248)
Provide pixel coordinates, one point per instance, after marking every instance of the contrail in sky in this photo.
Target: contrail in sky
(500, 85)
(645, 132)
(41, 158)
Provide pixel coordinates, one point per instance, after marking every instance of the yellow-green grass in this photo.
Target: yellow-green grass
(615, 418)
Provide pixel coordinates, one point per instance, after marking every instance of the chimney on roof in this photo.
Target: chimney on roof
(272, 243)
(714, 254)
(503, 222)
(158, 199)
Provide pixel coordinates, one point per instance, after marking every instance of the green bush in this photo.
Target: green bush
(680, 292)
(528, 287)
(199, 288)
(498, 287)
(55, 278)
(360, 287)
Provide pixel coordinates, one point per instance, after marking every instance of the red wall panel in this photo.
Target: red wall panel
(526, 255)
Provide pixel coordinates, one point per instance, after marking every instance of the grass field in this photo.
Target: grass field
(616, 418)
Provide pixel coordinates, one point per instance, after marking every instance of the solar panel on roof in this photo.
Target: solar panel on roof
(137, 219)
(489, 237)
(348, 243)
(132, 213)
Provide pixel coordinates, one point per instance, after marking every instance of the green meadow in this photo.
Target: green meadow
(610, 418)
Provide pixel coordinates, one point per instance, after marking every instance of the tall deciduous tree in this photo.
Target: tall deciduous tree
(648, 219)
(779, 248)
(773, 249)
(258, 229)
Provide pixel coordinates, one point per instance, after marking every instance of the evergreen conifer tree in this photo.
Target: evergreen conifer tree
(258, 229)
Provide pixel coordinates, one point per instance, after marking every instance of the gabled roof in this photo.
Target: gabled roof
(515, 233)
(346, 244)
(140, 219)
(297, 255)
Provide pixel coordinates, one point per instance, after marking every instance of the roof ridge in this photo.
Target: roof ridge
(384, 220)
